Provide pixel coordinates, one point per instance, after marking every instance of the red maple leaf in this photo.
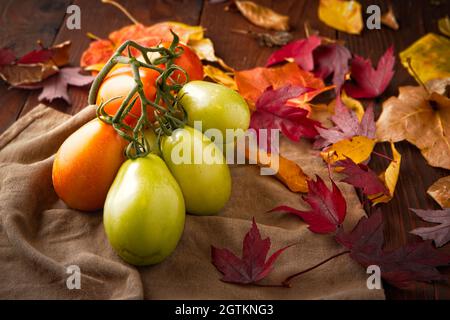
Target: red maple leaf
(301, 51)
(253, 266)
(440, 234)
(347, 126)
(361, 176)
(332, 59)
(328, 207)
(272, 112)
(36, 56)
(415, 261)
(368, 82)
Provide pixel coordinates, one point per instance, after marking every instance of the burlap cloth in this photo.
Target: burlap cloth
(40, 236)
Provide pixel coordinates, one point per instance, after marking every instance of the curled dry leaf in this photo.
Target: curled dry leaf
(428, 58)
(389, 177)
(35, 66)
(421, 119)
(440, 191)
(444, 26)
(262, 16)
(220, 76)
(204, 48)
(289, 172)
(389, 19)
(342, 15)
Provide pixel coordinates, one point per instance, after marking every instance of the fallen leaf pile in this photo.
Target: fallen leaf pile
(42, 69)
(283, 95)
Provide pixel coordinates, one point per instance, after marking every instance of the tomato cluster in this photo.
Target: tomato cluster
(145, 199)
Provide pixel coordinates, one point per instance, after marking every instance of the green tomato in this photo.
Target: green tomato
(215, 105)
(144, 211)
(200, 168)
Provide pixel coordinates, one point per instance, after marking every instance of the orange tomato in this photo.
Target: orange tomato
(190, 62)
(86, 164)
(118, 83)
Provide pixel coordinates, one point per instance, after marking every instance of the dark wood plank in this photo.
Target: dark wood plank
(416, 19)
(20, 33)
(101, 19)
(242, 51)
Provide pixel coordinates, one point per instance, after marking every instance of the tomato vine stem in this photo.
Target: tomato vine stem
(167, 111)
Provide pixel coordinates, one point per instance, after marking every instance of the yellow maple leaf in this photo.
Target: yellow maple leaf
(342, 15)
(357, 148)
(389, 177)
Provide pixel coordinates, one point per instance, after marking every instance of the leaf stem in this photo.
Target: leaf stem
(123, 10)
(286, 282)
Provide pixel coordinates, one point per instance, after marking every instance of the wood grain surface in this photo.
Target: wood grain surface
(24, 22)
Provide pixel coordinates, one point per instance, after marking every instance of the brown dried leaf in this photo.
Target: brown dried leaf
(61, 53)
(440, 191)
(421, 119)
(389, 19)
(263, 16)
(22, 74)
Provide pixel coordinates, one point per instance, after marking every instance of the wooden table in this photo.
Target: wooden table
(24, 22)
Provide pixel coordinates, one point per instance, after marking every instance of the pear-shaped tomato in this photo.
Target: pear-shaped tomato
(200, 168)
(86, 164)
(215, 105)
(144, 211)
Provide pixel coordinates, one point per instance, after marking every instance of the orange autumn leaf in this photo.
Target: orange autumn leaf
(252, 83)
(101, 50)
(289, 172)
(98, 53)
